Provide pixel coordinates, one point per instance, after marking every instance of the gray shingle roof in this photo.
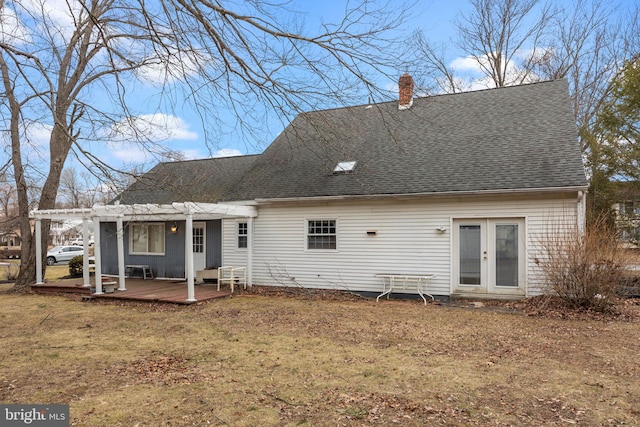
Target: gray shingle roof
(521, 137)
(205, 180)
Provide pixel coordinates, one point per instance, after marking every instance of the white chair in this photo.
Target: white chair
(232, 275)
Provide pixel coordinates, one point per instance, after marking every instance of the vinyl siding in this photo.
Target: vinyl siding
(406, 241)
(169, 265)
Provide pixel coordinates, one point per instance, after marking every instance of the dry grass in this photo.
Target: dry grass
(264, 360)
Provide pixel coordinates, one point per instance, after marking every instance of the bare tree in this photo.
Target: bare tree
(502, 39)
(71, 189)
(510, 42)
(8, 200)
(517, 41)
(247, 57)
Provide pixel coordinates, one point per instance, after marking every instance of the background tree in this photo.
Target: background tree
(616, 151)
(71, 71)
(614, 143)
(522, 41)
(502, 40)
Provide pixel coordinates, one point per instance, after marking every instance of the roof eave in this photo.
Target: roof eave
(516, 191)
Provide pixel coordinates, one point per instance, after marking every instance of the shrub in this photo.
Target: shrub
(76, 266)
(584, 269)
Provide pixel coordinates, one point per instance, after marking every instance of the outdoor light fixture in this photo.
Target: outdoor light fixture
(174, 228)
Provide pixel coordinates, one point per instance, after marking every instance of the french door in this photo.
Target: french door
(489, 256)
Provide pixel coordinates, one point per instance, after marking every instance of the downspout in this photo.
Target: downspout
(191, 294)
(120, 244)
(38, 230)
(250, 251)
(581, 211)
(86, 278)
(96, 253)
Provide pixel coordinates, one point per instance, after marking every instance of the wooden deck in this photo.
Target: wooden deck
(139, 290)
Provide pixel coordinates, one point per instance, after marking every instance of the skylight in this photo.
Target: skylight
(344, 167)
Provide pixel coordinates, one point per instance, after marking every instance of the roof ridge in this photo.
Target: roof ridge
(394, 101)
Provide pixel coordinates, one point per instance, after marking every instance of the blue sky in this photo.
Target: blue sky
(434, 16)
(183, 132)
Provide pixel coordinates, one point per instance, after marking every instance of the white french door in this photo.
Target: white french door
(489, 256)
(199, 246)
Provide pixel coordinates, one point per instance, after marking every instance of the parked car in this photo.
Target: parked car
(79, 242)
(63, 253)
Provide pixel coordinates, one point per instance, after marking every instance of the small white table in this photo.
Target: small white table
(146, 271)
(392, 281)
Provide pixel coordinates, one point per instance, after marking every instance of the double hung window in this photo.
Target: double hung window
(321, 234)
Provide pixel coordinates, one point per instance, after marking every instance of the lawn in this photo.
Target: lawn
(255, 360)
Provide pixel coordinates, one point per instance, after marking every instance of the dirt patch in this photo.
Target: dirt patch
(301, 293)
(623, 309)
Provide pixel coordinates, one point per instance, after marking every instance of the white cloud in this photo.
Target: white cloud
(38, 133)
(191, 154)
(144, 139)
(59, 14)
(470, 74)
(154, 128)
(131, 155)
(12, 32)
(465, 64)
(172, 65)
(227, 152)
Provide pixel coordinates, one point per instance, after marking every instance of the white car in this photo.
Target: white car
(79, 242)
(63, 253)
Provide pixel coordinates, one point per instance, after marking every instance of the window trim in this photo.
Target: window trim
(307, 235)
(163, 227)
(245, 235)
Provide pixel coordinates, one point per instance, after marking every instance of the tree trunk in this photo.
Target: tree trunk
(60, 146)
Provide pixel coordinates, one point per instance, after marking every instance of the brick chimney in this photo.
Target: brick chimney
(405, 84)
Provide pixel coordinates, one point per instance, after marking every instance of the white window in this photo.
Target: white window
(321, 234)
(242, 235)
(198, 239)
(146, 238)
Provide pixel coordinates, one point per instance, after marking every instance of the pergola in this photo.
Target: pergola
(119, 213)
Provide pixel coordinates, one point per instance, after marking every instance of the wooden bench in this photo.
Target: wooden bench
(232, 275)
(146, 271)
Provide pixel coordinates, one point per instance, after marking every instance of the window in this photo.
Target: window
(628, 208)
(321, 234)
(146, 239)
(242, 235)
(198, 239)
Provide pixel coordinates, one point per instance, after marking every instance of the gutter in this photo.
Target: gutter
(447, 194)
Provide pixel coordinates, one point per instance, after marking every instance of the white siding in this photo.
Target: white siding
(407, 240)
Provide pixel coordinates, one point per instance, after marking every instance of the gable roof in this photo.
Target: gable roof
(513, 138)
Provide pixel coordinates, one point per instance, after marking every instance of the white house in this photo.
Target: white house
(460, 186)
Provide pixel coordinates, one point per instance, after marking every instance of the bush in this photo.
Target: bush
(76, 266)
(584, 269)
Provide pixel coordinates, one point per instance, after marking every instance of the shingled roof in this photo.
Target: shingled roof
(513, 138)
(205, 180)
